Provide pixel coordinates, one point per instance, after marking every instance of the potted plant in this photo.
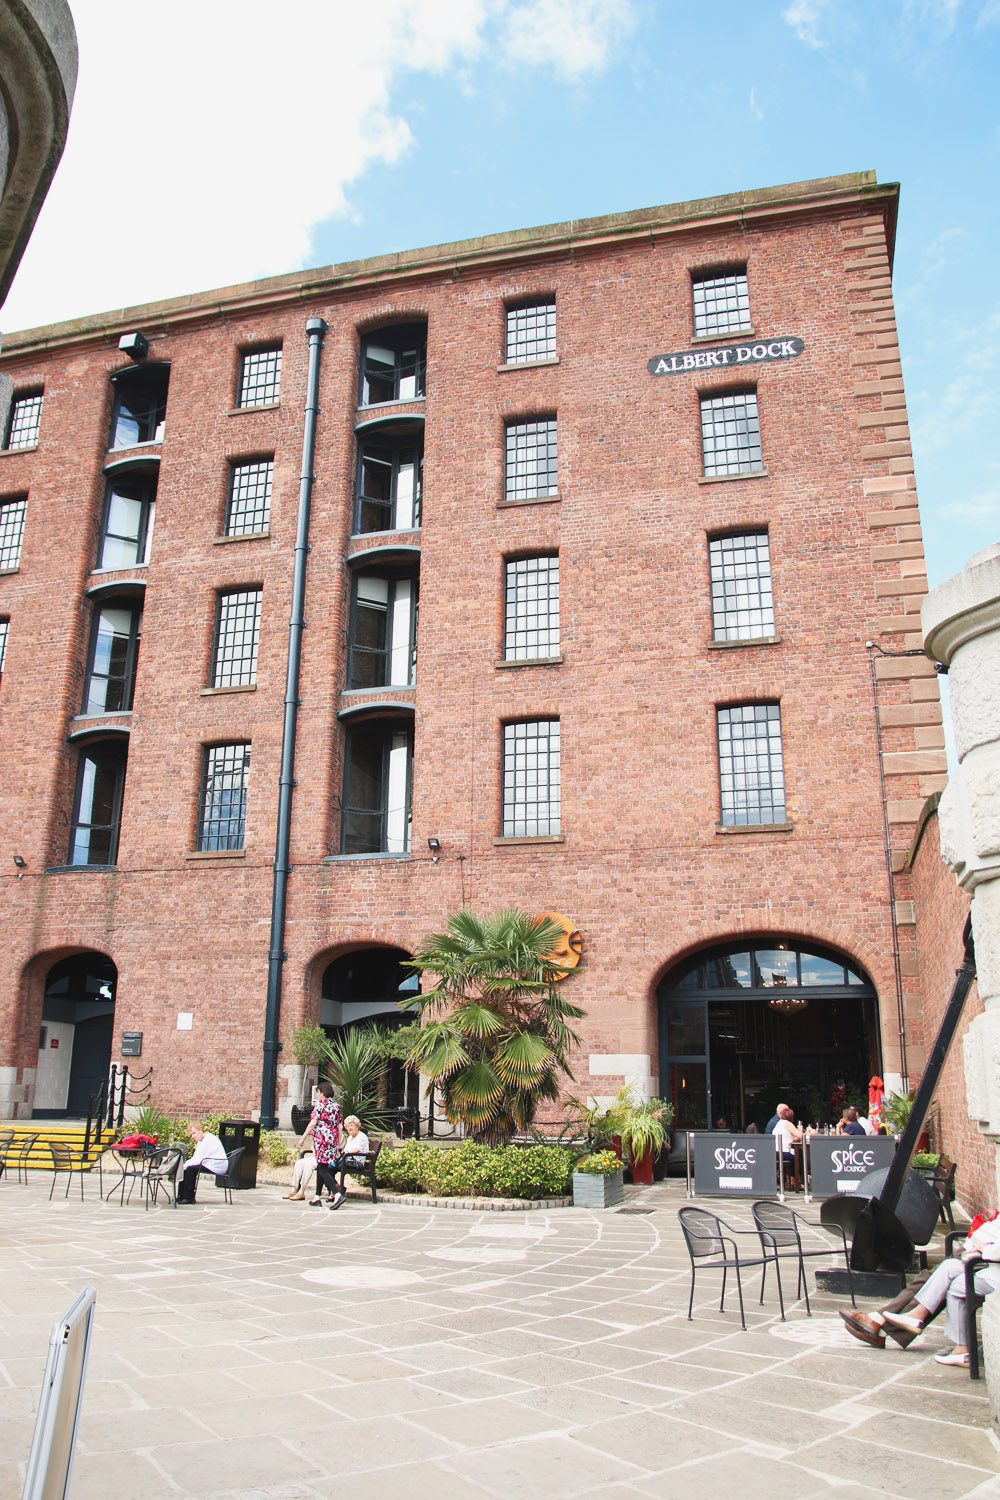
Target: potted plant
(598, 1181)
(644, 1127)
(307, 1045)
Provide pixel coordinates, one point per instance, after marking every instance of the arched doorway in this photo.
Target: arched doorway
(366, 986)
(746, 1024)
(74, 1045)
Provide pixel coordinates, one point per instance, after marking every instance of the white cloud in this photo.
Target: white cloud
(574, 36)
(755, 108)
(208, 140)
(804, 17)
(982, 509)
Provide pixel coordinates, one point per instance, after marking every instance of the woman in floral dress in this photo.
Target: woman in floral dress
(324, 1128)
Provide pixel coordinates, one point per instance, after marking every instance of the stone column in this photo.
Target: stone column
(961, 625)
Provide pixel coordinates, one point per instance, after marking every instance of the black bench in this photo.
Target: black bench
(367, 1172)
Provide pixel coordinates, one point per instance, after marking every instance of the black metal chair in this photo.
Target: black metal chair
(365, 1173)
(230, 1178)
(973, 1299)
(161, 1173)
(711, 1244)
(6, 1136)
(63, 1161)
(778, 1228)
(20, 1149)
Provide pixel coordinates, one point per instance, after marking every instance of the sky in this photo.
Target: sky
(214, 141)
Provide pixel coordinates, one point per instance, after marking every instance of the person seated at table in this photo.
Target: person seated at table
(906, 1316)
(354, 1150)
(209, 1156)
(849, 1124)
(787, 1136)
(302, 1173)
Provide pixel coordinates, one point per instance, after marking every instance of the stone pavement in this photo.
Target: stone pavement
(269, 1351)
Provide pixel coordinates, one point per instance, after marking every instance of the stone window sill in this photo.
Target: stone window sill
(721, 338)
(243, 536)
(531, 661)
(528, 364)
(9, 452)
(528, 500)
(199, 855)
(343, 859)
(80, 869)
(501, 842)
(750, 640)
(728, 828)
(731, 478)
(7, 572)
(240, 687)
(240, 411)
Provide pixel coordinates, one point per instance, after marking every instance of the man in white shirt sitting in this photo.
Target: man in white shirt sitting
(209, 1156)
(787, 1136)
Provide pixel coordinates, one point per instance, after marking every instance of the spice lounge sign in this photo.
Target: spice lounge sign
(729, 357)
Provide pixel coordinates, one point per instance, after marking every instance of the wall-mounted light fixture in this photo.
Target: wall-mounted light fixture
(21, 864)
(135, 345)
(434, 845)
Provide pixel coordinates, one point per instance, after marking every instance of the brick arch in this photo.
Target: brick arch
(23, 1045)
(320, 962)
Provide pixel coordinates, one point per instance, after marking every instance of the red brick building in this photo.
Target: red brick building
(649, 475)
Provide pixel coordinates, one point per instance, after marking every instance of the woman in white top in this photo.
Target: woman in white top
(354, 1150)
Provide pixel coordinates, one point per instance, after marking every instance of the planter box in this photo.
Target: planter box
(300, 1118)
(590, 1191)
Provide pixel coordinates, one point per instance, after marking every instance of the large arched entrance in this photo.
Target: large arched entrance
(365, 987)
(747, 1024)
(74, 1044)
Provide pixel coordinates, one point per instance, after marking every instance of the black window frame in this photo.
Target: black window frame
(13, 511)
(394, 337)
(261, 508)
(403, 448)
(217, 841)
(18, 403)
(128, 675)
(147, 386)
(518, 485)
(516, 607)
(759, 711)
(717, 403)
(386, 729)
(513, 775)
(725, 591)
(239, 668)
(146, 481)
(119, 746)
(706, 319)
(520, 334)
(4, 637)
(269, 382)
(392, 578)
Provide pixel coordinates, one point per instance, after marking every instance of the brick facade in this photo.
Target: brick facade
(641, 864)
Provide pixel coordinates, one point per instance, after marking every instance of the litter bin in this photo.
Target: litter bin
(407, 1122)
(245, 1133)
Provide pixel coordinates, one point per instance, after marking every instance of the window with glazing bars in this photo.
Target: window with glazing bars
(721, 303)
(531, 787)
(224, 797)
(11, 531)
(742, 597)
(237, 626)
(730, 434)
(260, 377)
(530, 459)
(531, 331)
(23, 423)
(531, 608)
(751, 766)
(249, 508)
(4, 624)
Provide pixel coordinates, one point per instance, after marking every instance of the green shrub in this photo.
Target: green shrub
(475, 1171)
(211, 1123)
(274, 1149)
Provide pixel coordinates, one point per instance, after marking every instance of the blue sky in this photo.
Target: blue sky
(341, 135)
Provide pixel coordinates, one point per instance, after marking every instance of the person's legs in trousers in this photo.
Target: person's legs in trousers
(324, 1179)
(186, 1191)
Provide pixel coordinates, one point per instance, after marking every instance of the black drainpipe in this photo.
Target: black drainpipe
(315, 329)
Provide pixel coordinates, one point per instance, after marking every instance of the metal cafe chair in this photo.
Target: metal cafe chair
(778, 1228)
(161, 1172)
(6, 1136)
(712, 1246)
(63, 1161)
(230, 1178)
(18, 1153)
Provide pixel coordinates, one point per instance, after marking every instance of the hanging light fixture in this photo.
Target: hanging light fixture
(788, 1005)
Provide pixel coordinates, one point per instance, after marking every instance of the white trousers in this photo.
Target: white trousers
(946, 1284)
(302, 1173)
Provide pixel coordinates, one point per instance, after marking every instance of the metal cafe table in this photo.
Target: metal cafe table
(131, 1162)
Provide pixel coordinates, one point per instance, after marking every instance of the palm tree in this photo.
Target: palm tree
(495, 1029)
(353, 1064)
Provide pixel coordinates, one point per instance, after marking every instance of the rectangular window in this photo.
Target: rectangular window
(97, 806)
(4, 625)
(377, 790)
(23, 423)
(224, 797)
(742, 597)
(11, 531)
(383, 635)
(393, 364)
(114, 649)
(721, 303)
(127, 524)
(751, 767)
(531, 788)
(730, 434)
(260, 377)
(237, 626)
(531, 331)
(139, 413)
(531, 608)
(249, 508)
(530, 459)
(389, 482)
